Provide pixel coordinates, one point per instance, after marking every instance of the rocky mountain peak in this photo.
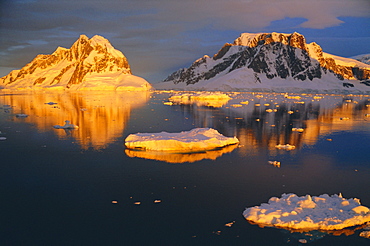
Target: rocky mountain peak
(273, 56)
(68, 67)
(254, 39)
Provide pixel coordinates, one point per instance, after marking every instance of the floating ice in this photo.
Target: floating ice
(274, 163)
(285, 146)
(2, 138)
(21, 115)
(198, 139)
(365, 234)
(67, 125)
(230, 224)
(309, 213)
(296, 129)
(210, 99)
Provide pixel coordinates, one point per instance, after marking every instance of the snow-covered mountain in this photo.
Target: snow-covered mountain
(365, 58)
(272, 62)
(90, 64)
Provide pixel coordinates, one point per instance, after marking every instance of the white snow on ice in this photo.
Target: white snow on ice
(322, 212)
(198, 139)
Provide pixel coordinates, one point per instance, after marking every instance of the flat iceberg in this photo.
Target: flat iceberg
(322, 212)
(198, 139)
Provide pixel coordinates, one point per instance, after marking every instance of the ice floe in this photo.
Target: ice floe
(21, 115)
(67, 125)
(209, 99)
(322, 212)
(197, 139)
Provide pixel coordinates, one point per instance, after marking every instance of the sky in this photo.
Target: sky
(160, 36)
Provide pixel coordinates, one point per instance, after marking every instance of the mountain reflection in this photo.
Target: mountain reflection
(180, 157)
(265, 120)
(101, 117)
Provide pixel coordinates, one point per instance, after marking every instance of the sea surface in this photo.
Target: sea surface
(82, 187)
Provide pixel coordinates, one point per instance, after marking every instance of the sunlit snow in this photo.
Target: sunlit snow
(197, 139)
(210, 99)
(322, 212)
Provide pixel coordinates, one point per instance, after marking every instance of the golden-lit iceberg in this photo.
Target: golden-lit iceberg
(308, 213)
(197, 139)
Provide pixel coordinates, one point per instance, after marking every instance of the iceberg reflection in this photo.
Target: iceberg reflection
(101, 116)
(265, 120)
(180, 157)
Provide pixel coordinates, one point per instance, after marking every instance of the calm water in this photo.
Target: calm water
(57, 186)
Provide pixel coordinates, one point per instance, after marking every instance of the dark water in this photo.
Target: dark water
(57, 186)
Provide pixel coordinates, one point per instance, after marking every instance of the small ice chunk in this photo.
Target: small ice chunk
(230, 224)
(285, 146)
(51, 103)
(296, 129)
(210, 99)
(67, 125)
(275, 163)
(2, 138)
(365, 234)
(21, 115)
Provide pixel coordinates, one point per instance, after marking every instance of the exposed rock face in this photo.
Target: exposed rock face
(274, 55)
(68, 67)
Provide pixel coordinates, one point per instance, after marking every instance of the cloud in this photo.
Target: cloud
(157, 35)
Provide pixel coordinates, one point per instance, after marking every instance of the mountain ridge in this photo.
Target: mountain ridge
(77, 68)
(267, 56)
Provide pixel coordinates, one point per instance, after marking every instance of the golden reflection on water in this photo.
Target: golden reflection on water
(101, 116)
(180, 157)
(267, 120)
(270, 119)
